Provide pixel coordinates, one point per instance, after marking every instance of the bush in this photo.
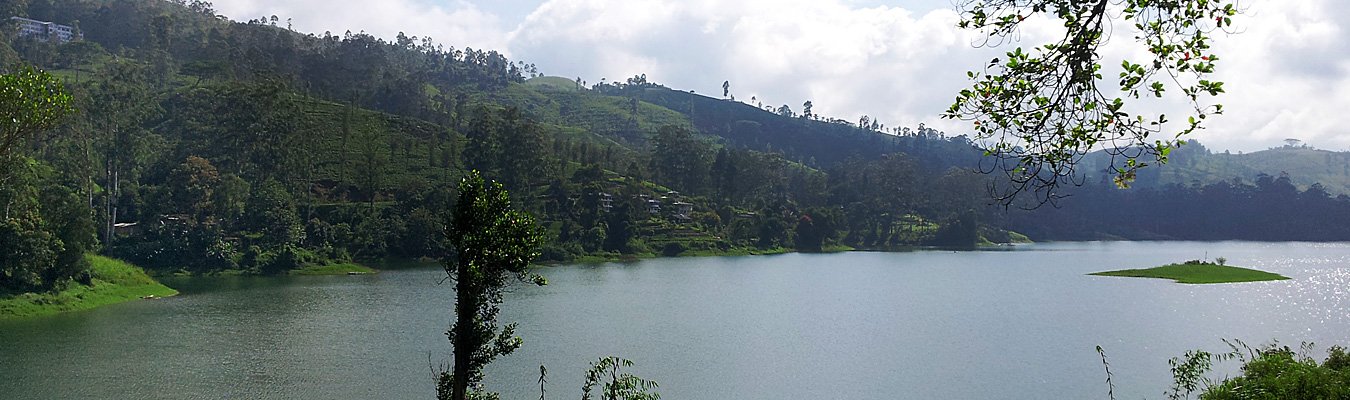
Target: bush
(1280, 373)
(672, 249)
(287, 259)
(1271, 372)
(554, 252)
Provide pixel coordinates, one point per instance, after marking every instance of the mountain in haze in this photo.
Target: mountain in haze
(1304, 165)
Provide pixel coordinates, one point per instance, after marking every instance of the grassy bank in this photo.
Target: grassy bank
(735, 251)
(1195, 272)
(114, 282)
(334, 269)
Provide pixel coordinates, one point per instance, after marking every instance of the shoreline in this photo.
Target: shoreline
(115, 281)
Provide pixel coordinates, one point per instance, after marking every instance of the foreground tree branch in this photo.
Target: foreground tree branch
(1040, 111)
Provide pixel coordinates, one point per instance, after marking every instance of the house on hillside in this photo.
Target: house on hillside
(606, 201)
(46, 31)
(681, 210)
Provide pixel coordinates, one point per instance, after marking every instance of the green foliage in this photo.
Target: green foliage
(621, 227)
(31, 102)
(961, 231)
(1188, 373)
(71, 224)
(43, 231)
(1048, 107)
(1270, 372)
(811, 234)
(502, 143)
(614, 384)
(493, 243)
(1279, 373)
(193, 189)
(673, 249)
(333, 269)
(27, 252)
(271, 211)
(681, 159)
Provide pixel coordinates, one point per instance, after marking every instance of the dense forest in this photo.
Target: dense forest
(199, 144)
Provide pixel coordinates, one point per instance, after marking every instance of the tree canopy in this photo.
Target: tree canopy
(31, 101)
(492, 244)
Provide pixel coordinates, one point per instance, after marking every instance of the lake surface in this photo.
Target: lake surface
(1019, 324)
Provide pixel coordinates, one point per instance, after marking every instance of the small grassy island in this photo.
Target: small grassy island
(1198, 272)
(114, 281)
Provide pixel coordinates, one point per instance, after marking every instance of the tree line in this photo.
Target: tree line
(320, 149)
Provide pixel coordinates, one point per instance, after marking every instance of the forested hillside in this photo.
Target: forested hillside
(202, 144)
(1304, 165)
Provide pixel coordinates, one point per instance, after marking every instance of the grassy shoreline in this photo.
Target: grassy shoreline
(598, 258)
(334, 269)
(115, 281)
(1194, 272)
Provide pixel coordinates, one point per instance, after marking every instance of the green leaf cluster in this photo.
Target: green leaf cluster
(1040, 111)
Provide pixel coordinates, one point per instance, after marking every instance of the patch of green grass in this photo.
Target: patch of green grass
(554, 82)
(1018, 238)
(334, 269)
(597, 258)
(736, 251)
(1198, 273)
(115, 281)
(836, 248)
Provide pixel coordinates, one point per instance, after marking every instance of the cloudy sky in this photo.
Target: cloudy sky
(1287, 70)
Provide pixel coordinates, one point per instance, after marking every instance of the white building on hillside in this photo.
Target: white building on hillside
(46, 31)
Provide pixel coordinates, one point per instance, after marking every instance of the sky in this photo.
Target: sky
(1286, 68)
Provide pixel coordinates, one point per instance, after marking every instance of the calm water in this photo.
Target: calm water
(992, 324)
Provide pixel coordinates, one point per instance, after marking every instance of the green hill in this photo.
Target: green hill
(1194, 164)
(249, 146)
(554, 83)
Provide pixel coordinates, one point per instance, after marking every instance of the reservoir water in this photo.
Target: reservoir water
(1019, 323)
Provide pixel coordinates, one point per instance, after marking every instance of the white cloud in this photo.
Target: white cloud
(1285, 70)
(1286, 74)
(903, 64)
(460, 23)
(881, 61)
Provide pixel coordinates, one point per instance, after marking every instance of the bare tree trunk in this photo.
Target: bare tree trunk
(89, 175)
(464, 342)
(112, 217)
(107, 207)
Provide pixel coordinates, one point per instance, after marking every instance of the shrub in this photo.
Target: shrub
(672, 249)
(1270, 372)
(1280, 373)
(554, 252)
